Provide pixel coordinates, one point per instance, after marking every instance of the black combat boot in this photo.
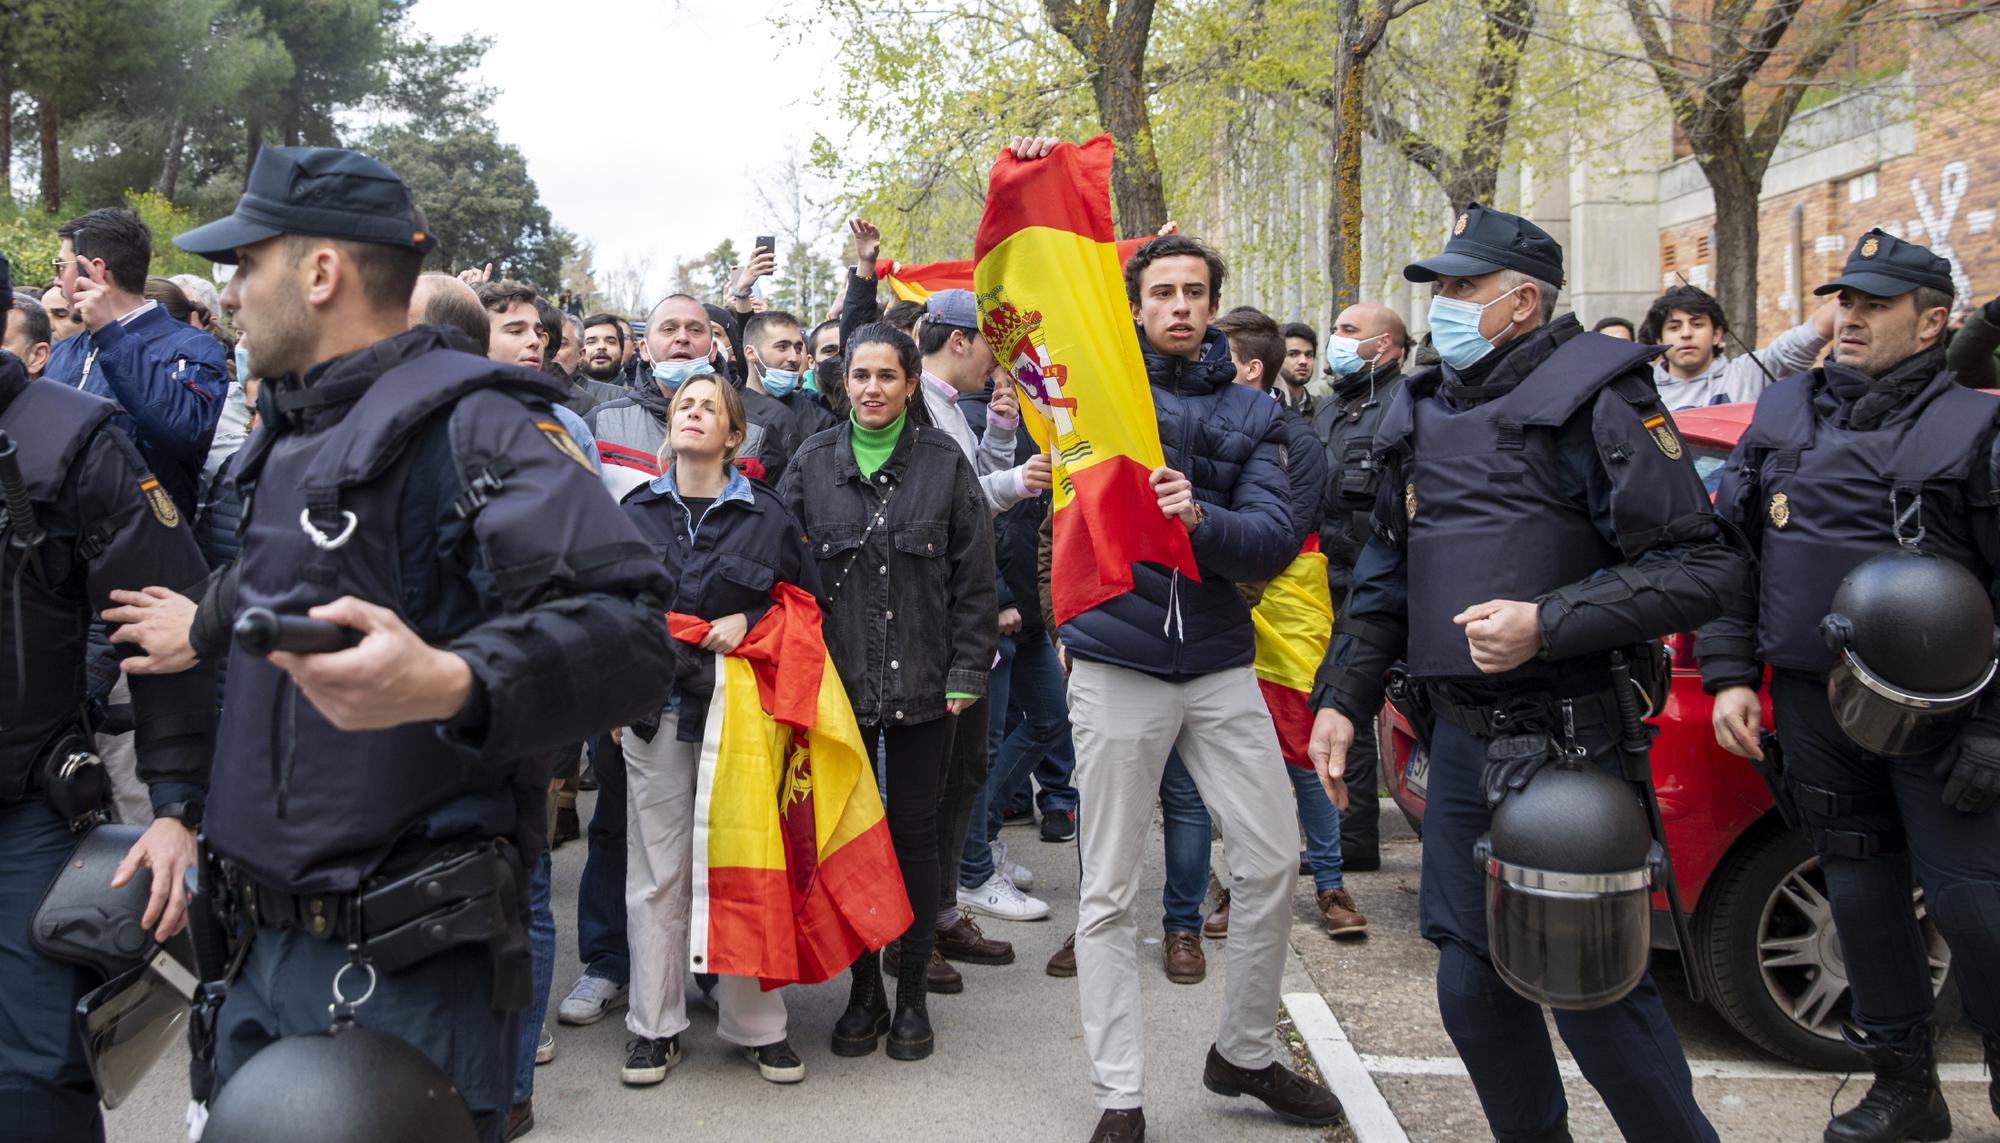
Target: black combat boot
(1905, 1101)
(910, 1030)
(1993, 1072)
(867, 1015)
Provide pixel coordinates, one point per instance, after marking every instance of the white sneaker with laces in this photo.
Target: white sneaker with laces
(592, 997)
(1020, 875)
(999, 897)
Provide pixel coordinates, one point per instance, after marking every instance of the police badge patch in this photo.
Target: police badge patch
(1869, 248)
(1663, 436)
(1462, 220)
(162, 504)
(565, 444)
(1410, 501)
(1781, 510)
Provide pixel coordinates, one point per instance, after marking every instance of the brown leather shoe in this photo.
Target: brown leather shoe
(1120, 1127)
(1063, 963)
(1286, 1092)
(963, 941)
(1216, 926)
(1342, 918)
(520, 1119)
(1185, 962)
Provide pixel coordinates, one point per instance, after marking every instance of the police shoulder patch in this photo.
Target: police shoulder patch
(164, 509)
(1781, 510)
(1410, 500)
(564, 443)
(1663, 436)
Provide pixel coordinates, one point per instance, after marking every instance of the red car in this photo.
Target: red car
(1763, 935)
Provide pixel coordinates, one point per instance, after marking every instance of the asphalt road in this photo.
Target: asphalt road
(1383, 991)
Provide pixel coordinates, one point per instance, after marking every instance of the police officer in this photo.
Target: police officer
(1538, 512)
(1876, 448)
(94, 519)
(375, 806)
(1364, 354)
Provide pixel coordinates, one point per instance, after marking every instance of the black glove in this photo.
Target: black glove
(1511, 761)
(1970, 769)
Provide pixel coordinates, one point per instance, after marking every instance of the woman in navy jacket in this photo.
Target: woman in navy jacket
(725, 539)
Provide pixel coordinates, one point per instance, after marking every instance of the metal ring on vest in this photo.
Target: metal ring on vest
(321, 540)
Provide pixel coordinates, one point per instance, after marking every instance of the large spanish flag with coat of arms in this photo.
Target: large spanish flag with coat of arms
(1052, 305)
(794, 872)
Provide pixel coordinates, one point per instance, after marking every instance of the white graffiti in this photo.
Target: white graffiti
(1952, 183)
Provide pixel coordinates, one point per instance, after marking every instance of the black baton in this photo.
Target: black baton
(261, 631)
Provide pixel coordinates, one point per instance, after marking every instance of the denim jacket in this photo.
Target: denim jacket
(721, 564)
(911, 613)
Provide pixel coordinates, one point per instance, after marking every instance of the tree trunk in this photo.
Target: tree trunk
(170, 165)
(253, 141)
(1135, 175)
(1343, 226)
(1734, 247)
(51, 155)
(6, 132)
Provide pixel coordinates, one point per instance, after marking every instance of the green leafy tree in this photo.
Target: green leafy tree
(479, 201)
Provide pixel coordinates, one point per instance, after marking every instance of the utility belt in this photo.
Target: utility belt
(1531, 712)
(444, 897)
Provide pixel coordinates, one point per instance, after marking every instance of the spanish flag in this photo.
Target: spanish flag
(1294, 623)
(915, 283)
(1052, 305)
(794, 873)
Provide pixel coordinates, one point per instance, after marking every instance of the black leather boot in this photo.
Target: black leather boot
(1993, 1072)
(867, 1015)
(910, 1031)
(1905, 1101)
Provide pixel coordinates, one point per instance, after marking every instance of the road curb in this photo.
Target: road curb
(1368, 1114)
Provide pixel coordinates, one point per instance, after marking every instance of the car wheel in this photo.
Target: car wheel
(1772, 958)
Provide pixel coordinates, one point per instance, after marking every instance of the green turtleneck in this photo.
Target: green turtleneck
(873, 446)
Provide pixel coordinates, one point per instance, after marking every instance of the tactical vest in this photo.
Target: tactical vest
(303, 805)
(1824, 500)
(1486, 513)
(42, 655)
(1354, 473)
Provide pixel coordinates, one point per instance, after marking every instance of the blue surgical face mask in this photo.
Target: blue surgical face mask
(1343, 354)
(1455, 330)
(780, 382)
(242, 363)
(673, 374)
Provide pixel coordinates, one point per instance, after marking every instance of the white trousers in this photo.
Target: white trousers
(659, 896)
(1125, 723)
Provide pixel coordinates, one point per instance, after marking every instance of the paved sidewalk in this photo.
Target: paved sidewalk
(1010, 1063)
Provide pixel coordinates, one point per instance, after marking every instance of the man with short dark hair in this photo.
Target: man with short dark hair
(516, 334)
(775, 350)
(1616, 327)
(1167, 665)
(63, 323)
(27, 334)
(825, 341)
(1301, 359)
(1693, 371)
(169, 378)
(603, 344)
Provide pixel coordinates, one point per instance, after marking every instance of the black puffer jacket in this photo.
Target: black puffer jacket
(1231, 442)
(910, 612)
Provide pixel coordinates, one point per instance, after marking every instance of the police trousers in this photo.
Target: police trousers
(46, 1094)
(1954, 856)
(1628, 1051)
(441, 1006)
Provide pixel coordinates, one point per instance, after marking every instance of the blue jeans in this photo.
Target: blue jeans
(1030, 674)
(542, 943)
(1188, 832)
(600, 895)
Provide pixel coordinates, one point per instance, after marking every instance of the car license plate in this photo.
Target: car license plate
(1418, 772)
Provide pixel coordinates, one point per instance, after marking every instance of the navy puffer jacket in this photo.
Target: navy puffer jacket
(1230, 441)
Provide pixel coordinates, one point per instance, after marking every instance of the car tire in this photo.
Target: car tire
(1765, 943)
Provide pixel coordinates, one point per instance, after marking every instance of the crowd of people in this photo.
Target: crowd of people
(502, 494)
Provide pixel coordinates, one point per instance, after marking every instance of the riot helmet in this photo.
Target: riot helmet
(1912, 633)
(1570, 864)
(345, 1085)
(141, 1000)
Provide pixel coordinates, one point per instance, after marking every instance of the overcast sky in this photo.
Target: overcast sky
(699, 110)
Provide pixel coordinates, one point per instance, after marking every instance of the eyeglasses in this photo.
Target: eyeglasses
(57, 264)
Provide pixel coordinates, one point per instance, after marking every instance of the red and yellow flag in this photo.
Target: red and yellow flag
(1294, 623)
(915, 283)
(794, 873)
(1052, 305)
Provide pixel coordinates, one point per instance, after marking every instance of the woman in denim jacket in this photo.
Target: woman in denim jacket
(904, 541)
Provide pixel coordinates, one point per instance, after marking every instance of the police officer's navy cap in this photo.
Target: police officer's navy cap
(1887, 267)
(321, 191)
(1484, 240)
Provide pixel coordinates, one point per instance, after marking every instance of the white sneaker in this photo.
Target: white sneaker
(999, 897)
(1020, 875)
(545, 1048)
(592, 997)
